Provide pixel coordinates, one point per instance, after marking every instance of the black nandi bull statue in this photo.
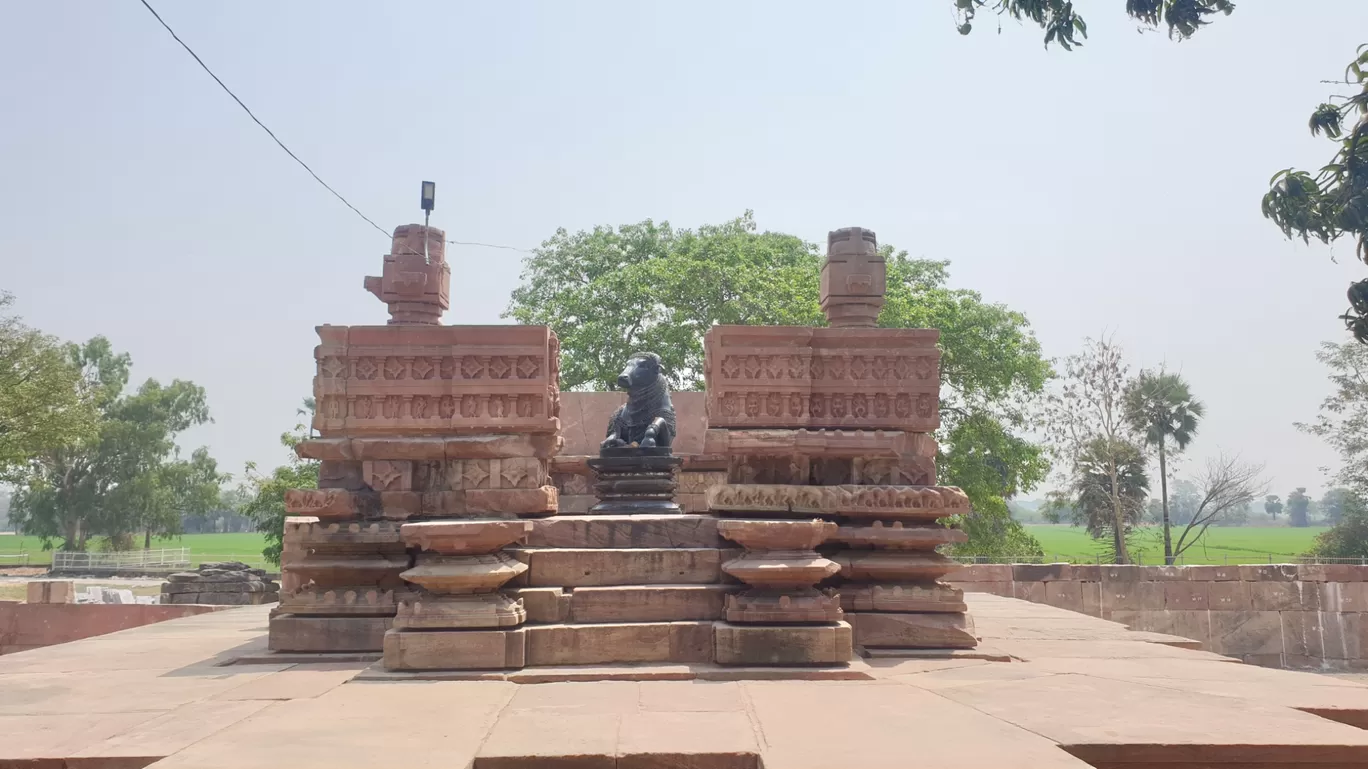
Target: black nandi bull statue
(648, 418)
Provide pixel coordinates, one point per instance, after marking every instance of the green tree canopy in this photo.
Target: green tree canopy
(1343, 418)
(1098, 452)
(1332, 203)
(263, 498)
(1159, 406)
(1273, 505)
(1349, 537)
(610, 292)
(127, 476)
(1298, 505)
(1333, 502)
(1063, 24)
(1343, 423)
(44, 400)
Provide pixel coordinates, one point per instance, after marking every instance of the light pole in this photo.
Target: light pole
(429, 195)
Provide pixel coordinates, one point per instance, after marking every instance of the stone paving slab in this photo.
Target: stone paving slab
(1074, 689)
(887, 726)
(295, 683)
(166, 734)
(419, 726)
(1113, 721)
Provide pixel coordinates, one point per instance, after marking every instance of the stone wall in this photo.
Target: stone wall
(584, 421)
(25, 626)
(1276, 615)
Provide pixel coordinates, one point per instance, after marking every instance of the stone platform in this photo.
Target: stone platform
(1045, 688)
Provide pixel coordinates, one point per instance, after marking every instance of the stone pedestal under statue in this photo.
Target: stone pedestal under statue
(632, 480)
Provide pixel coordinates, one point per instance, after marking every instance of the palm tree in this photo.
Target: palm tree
(1160, 405)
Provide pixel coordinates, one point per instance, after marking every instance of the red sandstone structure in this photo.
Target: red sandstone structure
(450, 531)
(835, 422)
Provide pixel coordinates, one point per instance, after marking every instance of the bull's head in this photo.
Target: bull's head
(642, 369)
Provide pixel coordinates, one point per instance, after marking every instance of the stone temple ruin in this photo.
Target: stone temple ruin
(807, 536)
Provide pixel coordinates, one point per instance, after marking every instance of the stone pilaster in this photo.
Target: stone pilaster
(457, 575)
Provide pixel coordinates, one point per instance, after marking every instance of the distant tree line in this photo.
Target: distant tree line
(91, 459)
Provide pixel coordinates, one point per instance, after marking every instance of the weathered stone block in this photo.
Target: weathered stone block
(578, 504)
(1040, 572)
(388, 474)
(649, 603)
(1065, 595)
(51, 591)
(591, 567)
(1195, 625)
(1229, 596)
(619, 643)
(1087, 572)
(913, 631)
(325, 503)
(1343, 596)
(538, 501)
(933, 597)
(1333, 572)
(291, 633)
(1179, 596)
(604, 531)
(1321, 634)
(328, 449)
(543, 604)
(782, 644)
(455, 649)
(1132, 596)
(310, 532)
(1284, 596)
(401, 505)
(1123, 573)
(983, 572)
(1213, 573)
(1004, 589)
(1273, 572)
(254, 586)
(1029, 591)
(236, 599)
(1091, 595)
(349, 601)
(1240, 633)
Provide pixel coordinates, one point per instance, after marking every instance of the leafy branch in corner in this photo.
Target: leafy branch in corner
(1063, 24)
(1333, 202)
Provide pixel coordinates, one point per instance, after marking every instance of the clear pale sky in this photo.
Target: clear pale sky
(1115, 188)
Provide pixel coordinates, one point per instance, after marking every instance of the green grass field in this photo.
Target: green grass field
(1218, 546)
(1061, 543)
(203, 547)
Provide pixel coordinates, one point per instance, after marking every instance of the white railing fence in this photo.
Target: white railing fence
(130, 560)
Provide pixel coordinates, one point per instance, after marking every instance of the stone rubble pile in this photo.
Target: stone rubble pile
(228, 583)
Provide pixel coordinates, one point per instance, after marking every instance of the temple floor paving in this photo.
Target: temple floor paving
(1076, 692)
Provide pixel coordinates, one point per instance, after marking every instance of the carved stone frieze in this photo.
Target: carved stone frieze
(800, 377)
(893, 502)
(406, 380)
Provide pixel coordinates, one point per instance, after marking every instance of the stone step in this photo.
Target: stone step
(649, 603)
(594, 567)
(615, 643)
(291, 633)
(879, 630)
(625, 531)
(826, 644)
(455, 649)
